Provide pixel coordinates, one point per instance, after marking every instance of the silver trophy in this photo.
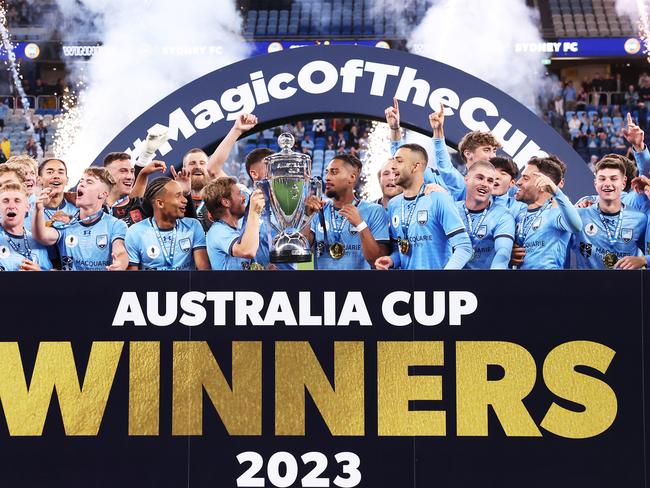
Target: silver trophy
(288, 184)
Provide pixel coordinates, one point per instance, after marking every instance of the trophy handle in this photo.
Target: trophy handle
(315, 189)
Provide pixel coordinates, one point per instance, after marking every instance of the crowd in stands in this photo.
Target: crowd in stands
(592, 114)
(321, 139)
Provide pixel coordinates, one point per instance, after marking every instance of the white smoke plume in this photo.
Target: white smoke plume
(149, 50)
(629, 8)
(480, 38)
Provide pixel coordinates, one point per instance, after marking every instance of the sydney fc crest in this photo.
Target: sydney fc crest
(185, 245)
(423, 216)
(481, 231)
(626, 235)
(102, 241)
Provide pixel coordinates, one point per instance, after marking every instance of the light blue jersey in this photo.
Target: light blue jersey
(514, 206)
(339, 230)
(545, 233)
(13, 249)
(492, 232)
(221, 238)
(431, 225)
(87, 247)
(151, 248)
(605, 238)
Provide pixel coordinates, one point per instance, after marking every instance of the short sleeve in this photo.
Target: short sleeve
(118, 230)
(132, 244)
(378, 223)
(198, 237)
(505, 226)
(448, 214)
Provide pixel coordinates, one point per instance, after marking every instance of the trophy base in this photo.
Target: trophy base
(290, 248)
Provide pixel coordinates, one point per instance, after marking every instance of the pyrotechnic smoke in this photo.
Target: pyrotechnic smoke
(149, 49)
(480, 38)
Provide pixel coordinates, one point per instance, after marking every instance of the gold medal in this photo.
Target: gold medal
(337, 250)
(610, 260)
(404, 246)
(256, 266)
(49, 223)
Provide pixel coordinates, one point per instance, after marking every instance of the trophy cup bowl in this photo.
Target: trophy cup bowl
(289, 185)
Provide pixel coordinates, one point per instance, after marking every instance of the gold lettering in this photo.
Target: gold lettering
(598, 399)
(297, 369)
(474, 392)
(395, 388)
(144, 388)
(196, 369)
(82, 409)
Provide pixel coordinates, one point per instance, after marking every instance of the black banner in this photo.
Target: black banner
(369, 379)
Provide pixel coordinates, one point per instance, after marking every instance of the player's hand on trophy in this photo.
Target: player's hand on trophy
(29, 265)
(351, 213)
(434, 187)
(384, 263)
(257, 202)
(437, 121)
(245, 122)
(634, 134)
(313, 204)
(517, 255)
(630, 262)
(154, 166)
(183, 178)
(43, 198)
(544, 183)
(392, 115)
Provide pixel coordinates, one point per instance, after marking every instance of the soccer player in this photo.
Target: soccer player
(426, 230)
(387, 182)
(544, 229)
(30, 169)
(256, 168)
(195, 162)
(53, 174)
(92, 240)
(18, 250)
(490, 226)
(473, 147)
(229, 247)
(167, 240)
(433, 176)
(612, 235)
(12, 173)
(348, 233)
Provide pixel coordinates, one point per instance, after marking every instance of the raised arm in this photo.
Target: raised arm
(142, 179)
(250, 241)
(48, 236)
(244, 123)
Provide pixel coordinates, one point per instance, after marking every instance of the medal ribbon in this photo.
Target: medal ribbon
(169, 257)
(617, 232)
(117, 204)
(469, 219)
(521, 237)
(406, 221)
(28, 250)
